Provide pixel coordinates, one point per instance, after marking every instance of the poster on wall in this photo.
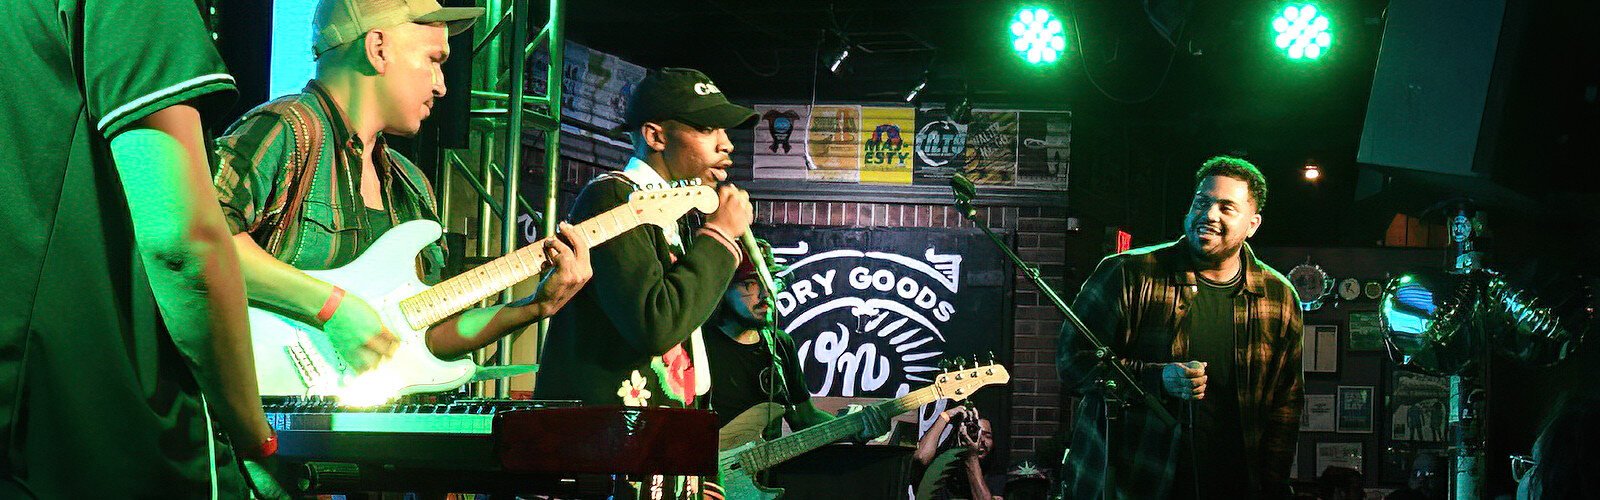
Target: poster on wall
(595, 85)
(940, 149)
(889, 141)
(780, 142)
(1318, 413)
(833, 144)
(1364, 332)
(1346, 455)
(612, 80)
(873, 311)
(1417, 407)
(1319, 351)
(990, 156)
(1355, 408)
(1044, 149)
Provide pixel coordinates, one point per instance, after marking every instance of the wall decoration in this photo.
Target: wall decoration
(1044, 149)
(1338, 455)
(888, 145)
(1417, 406)
(833, 144)
(780, 142)
(1364, 332)
(1349, 289)
(1319, 351)
(1355, 408)
(990, 156)
(874, 310)
(1318, 414)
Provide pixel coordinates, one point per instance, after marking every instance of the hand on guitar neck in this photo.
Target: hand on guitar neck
(566, 270)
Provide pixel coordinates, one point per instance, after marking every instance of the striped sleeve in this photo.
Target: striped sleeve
(249, 179)
(141, 56)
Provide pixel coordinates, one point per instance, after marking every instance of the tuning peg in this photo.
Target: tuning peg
(989, 358)
(945, 365)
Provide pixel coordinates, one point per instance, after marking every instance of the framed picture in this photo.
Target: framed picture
(1320, 351)
(1355, 408)
(1318, 414)
(1365, 335)
(1338, 455)
(1417, 407)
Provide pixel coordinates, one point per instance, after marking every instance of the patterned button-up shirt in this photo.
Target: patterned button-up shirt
(254, 181)
(1136, 302)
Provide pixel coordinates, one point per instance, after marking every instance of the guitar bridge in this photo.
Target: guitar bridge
(311, 368)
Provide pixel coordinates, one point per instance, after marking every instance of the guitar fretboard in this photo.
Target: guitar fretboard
(467, 289)
(766, 455)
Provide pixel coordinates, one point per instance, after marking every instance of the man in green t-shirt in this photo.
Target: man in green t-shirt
(122, 313)
(378, 72)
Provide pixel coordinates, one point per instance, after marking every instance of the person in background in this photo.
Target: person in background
(1565, 463)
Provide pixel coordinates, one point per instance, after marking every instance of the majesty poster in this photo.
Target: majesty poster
(888, 145)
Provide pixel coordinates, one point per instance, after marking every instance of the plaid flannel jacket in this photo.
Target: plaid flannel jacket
(1136, 303)
(256, 172)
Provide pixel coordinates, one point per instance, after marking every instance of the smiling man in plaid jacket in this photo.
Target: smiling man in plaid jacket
(1210, 330)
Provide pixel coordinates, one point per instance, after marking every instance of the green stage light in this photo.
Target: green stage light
(1302, 32)
(1037, 36)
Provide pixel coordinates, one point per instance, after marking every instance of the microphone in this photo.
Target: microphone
(964, 188)
(759, 261)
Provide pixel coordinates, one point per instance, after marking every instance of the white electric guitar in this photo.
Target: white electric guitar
(295, 359)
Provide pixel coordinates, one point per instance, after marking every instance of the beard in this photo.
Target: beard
(1219, 245)
(734, 310)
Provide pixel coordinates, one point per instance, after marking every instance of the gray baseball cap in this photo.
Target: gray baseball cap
(338, 22)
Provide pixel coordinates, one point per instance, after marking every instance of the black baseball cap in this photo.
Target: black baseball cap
(685, 95)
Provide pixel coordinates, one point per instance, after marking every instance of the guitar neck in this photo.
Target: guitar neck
(467, 289)
(768, 454)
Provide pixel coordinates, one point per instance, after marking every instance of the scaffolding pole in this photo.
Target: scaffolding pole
(507, 125)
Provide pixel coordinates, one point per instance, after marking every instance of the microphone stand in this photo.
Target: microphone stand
(1121, 389)
(758, 260)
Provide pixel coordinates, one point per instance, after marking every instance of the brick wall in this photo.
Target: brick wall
(1040, 237)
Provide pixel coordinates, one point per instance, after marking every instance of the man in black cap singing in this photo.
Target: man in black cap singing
(632, 336)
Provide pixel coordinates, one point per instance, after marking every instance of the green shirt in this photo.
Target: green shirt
(95, 399)
(1213, 463)
(254, 181)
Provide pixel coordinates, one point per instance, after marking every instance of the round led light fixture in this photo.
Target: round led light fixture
(1037, 36)
(1302, 32)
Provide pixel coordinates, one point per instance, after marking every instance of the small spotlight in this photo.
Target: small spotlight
(921, 84)
(837, 56)
(961, 111)
(1312, 172)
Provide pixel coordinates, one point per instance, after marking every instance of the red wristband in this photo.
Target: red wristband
(265, 449)
(328, 308)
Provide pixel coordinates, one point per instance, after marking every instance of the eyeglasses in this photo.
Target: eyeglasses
(1521, 465)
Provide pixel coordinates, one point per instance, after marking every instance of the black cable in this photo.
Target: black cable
(1078, 34)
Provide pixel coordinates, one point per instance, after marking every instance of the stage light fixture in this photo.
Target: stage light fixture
(1037, 36)
(1302, 32)
(1312, 172)
(911, 96)
(960, 111)
(836, 57)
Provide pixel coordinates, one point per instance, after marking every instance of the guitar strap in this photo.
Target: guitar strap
(301, 170)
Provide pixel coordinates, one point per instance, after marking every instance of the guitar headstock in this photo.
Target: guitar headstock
(663, 207)
(960, 383)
